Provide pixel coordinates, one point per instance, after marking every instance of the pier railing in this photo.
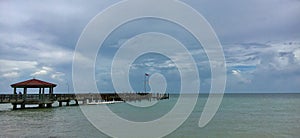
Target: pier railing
(15, 98)
(64, 97)
(47, 98)
(7, 98)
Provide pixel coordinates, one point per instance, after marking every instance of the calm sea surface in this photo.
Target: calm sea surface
(240, 115)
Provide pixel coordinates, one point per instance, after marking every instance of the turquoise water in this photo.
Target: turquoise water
(240, 115)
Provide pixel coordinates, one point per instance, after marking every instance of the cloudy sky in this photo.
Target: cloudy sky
(260, 39)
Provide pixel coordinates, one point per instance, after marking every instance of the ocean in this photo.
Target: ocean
(240, 115)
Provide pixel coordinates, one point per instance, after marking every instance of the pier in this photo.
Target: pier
(47, 100)
(43, 99)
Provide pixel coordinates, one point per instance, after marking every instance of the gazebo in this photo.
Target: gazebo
(41, 98)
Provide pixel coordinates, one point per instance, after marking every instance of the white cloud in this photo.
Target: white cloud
(240, 77)
(43, 71)
(48, 71)
(10, 65)
(236, 72)
(38, 73)
(156, 65)
(38, 47)
(58, 76)
(11, 75)
(47, 68)
(297, 55)
(273, 63)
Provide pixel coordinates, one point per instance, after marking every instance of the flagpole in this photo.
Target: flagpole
(145, 83)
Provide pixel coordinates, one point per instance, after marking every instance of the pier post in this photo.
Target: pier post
(41, 105)
(49, 105)
(22, 106)
(60, 103)
(68, 103)
(14, 106)
(76, 102)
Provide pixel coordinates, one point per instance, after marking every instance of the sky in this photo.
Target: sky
(260, 40)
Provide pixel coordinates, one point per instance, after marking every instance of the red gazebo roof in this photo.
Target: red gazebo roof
(33, 83)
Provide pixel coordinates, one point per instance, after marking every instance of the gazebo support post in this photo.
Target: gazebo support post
(50, 92)
(15, 90)
(43, 94)
(15, 93)
(40, 93)
(24, 94)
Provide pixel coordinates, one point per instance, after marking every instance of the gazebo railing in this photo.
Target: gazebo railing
(8, 98)
(38, 97)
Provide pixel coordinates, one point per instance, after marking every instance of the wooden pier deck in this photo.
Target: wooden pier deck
(46, 100)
